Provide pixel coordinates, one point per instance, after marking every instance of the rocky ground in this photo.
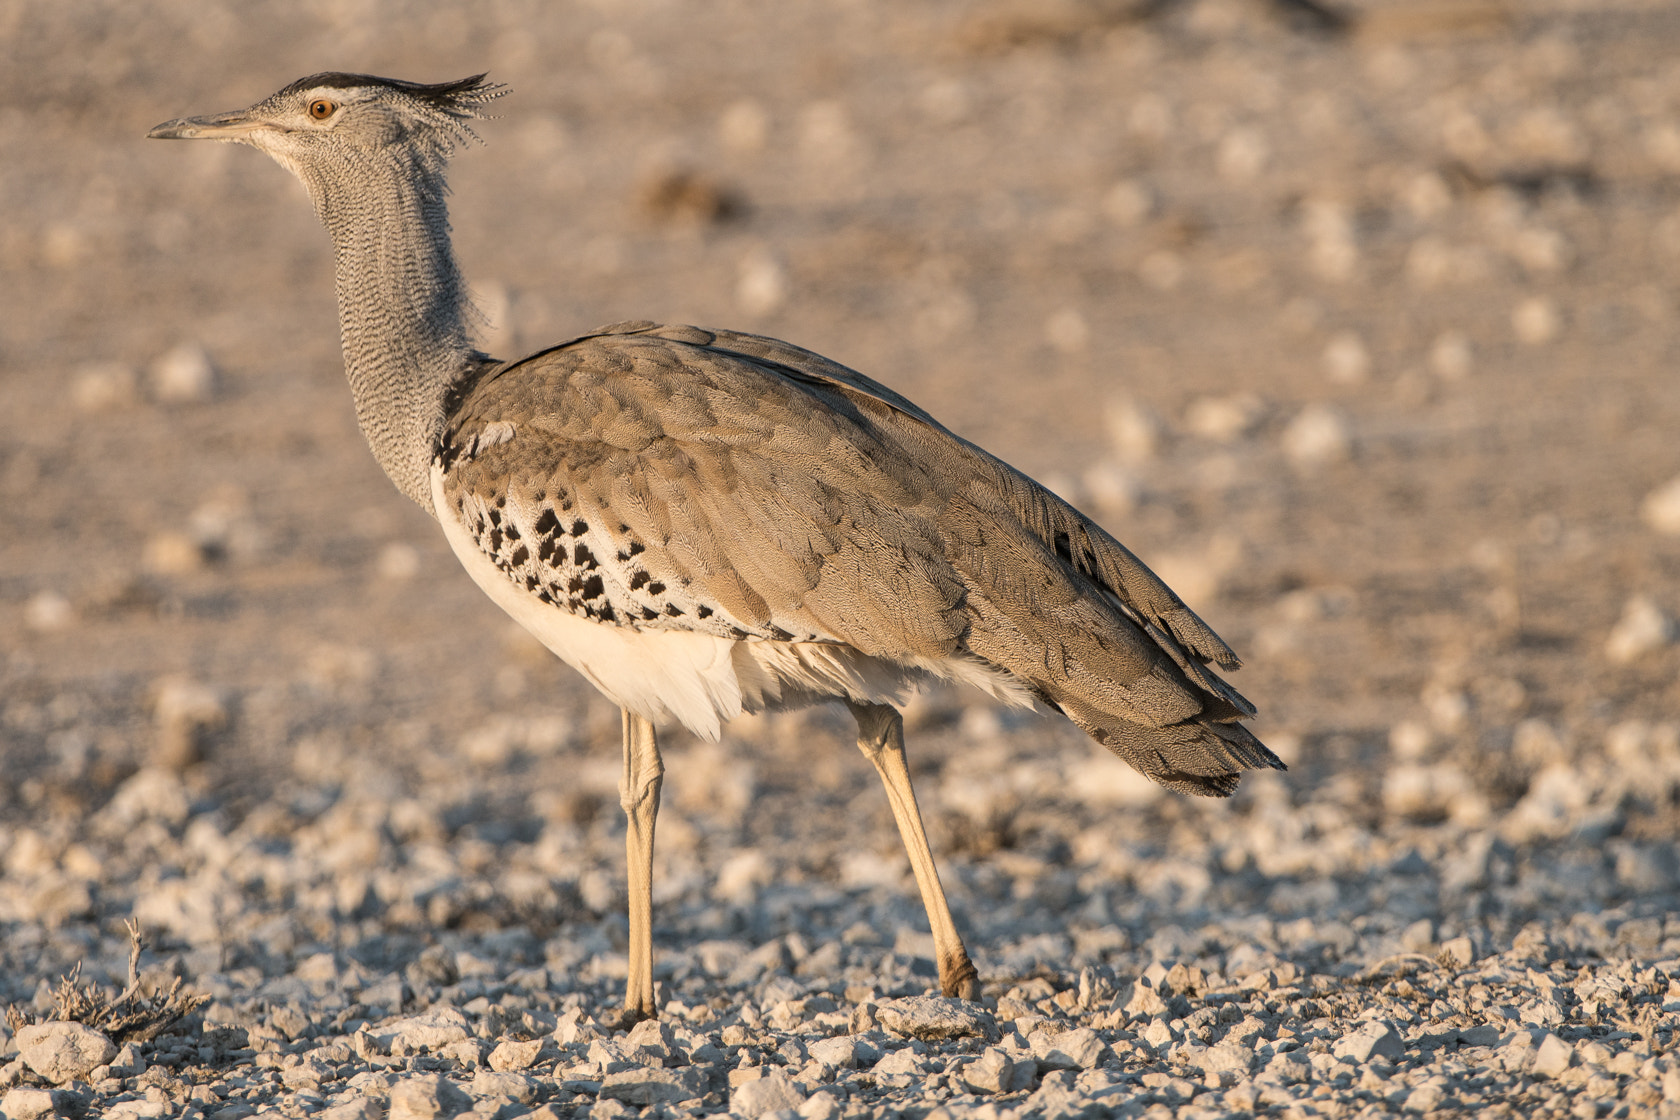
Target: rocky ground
(1356, 322)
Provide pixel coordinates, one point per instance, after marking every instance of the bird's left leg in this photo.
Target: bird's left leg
(638, 793)
(881, 739)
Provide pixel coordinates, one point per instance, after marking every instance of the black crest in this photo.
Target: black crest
(459, 98)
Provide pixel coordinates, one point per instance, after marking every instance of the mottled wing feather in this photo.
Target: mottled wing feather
(674, 478)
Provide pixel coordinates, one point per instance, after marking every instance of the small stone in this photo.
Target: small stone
(1536, 321)
(1552, 1057)
(1486, 1034)
(1451, 358)
(1145, 1001)
(1461, 951)
(1642, 629)
(514, 1086)
(654, 1039)
(63, 1052)
(103, 387)
(839, 1052)
(189, 714)
(770, 1093)
(510, 1056)
(992, 1072)
(290, 1021)
(574, 1026)
(1374, 1037)
(1317, 436)
(1661, 508)
(1076, 1049)
(185, 375)
(1157, 1033)
(128, 1062)
(647, 1085)
(306, 1075)
(934, 1018)
(363, 1108)
(431, 1097)
(1346, 359)
(1289, 1067)
(430, 1030)
(820, 1106)
(1418, 937)
(27, 1104)
(1425, 1098)
(1228, 1055)
(397, 562)
(47, 611)
(1057, 1095)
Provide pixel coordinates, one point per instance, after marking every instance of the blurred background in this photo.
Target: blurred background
(1355, 320)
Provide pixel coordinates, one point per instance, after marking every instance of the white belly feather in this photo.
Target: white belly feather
(702, 681)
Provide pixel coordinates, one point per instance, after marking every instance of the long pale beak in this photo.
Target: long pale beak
(235, 126)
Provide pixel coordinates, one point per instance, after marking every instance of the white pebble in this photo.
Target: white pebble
(1346, 359)
(1135, 429)
(103, 387)
(185, 375)
(1536, 321)
(1111, 488)
(1642, 629)
(1410, 740)
(1243, 153)
(744, 126)
(1128, 203)
(762, 286)
(1552, 1057)
(1373, 1038)
(1224, 419)
(171, 554)
(398, 562)
(1067, 331)
(1450, 358)
(1661, 508)
(188, 712)
(1318, 435)
(1162, 270)
(47, 611)
(61, 1051)
(770, 1093)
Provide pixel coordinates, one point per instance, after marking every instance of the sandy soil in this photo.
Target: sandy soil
(1362, 334)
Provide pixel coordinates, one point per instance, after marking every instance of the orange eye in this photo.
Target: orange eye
(321, 108)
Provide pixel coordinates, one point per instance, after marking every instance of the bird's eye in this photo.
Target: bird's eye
(321, 108)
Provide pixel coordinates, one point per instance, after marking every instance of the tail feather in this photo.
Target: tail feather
(1067, 609)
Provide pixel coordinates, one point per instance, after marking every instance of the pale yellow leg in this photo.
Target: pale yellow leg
(881, 739)
(638, 793)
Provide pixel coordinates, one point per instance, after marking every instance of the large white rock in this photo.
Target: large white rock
(432, 1029)
(931, 1018)
(62, 1052)
(1372, 1038)
(433, 1097)
(770, 1093)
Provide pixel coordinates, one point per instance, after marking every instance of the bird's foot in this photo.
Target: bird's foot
(959, 979)
(623, 1018)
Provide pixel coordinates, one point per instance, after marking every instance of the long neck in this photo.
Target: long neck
(402, 305)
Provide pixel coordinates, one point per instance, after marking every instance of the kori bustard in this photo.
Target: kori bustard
(705, 523)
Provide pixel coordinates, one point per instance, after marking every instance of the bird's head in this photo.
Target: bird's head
(328, 116)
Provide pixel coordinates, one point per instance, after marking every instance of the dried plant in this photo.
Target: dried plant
(131, 1016)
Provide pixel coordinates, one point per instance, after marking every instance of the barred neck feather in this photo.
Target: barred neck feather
(403, 308)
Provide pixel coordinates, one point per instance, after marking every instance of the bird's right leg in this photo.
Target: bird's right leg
(881, 739)
(638, 793)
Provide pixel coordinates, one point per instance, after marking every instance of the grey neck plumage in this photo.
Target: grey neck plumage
(403, 308)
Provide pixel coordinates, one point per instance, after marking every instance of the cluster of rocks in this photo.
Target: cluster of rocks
(1237, 1032)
